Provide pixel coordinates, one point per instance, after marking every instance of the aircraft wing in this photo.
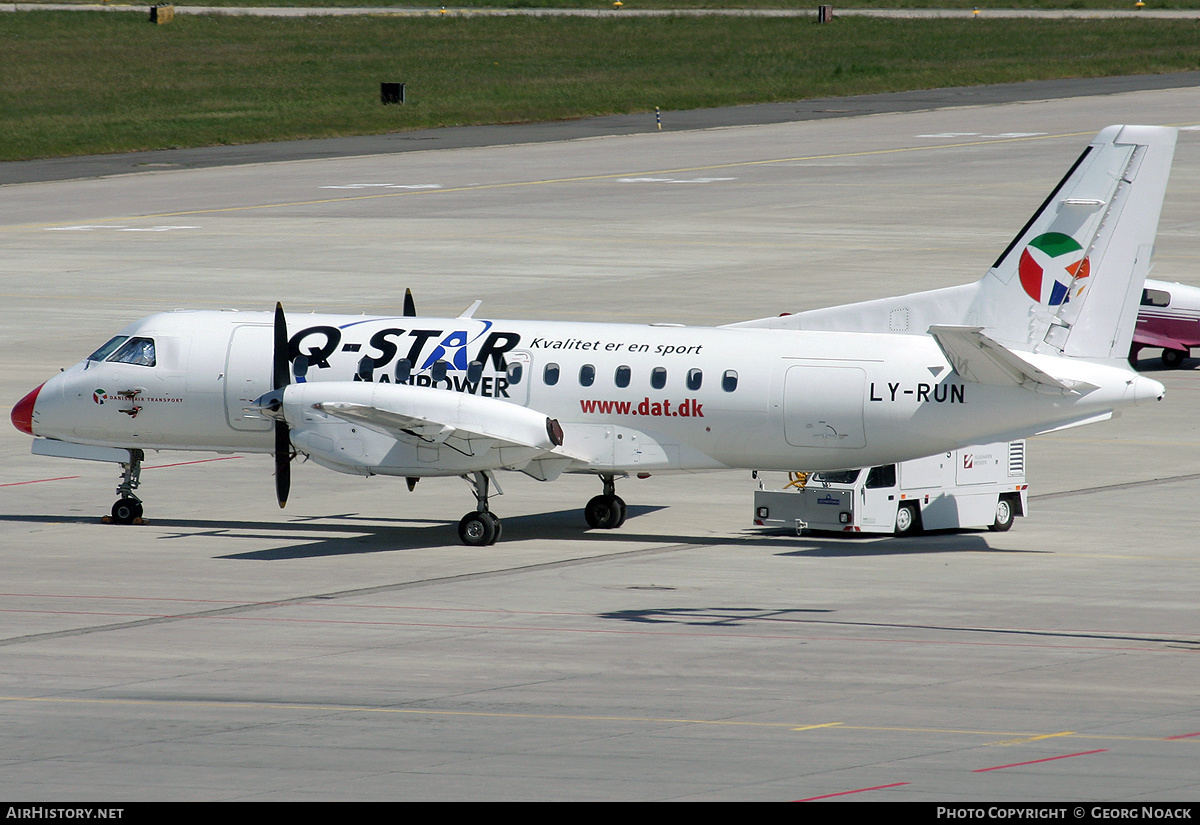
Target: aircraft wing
(474, 426)
(469, 438)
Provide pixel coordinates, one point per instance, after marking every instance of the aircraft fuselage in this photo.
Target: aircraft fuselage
(652, 398)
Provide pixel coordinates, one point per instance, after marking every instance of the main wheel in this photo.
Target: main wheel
(126, 511)
(478, 529)
(907, 520)
(620, 504)
(605, 512)
(1004, 516)
(499, 527)
(1173, 358)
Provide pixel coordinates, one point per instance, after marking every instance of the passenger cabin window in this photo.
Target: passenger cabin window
(621, 379)
(884, 476)
(1155, 298)
(474, 372)
(658, 377)
(107, 349)
(729, 381)
(138, 351)
(694, 379)
(403, 371)
(439, 371)
(514, 373)
(587, 375)
(550, 375)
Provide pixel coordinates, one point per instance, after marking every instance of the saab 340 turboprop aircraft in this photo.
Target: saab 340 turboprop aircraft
(1039, 344)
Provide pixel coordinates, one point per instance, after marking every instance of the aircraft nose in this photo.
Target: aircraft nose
(22, 413)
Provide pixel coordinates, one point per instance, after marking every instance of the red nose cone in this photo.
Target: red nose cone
(22, 414)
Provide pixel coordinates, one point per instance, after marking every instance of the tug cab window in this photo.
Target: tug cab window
(884, 476)
(138, 351)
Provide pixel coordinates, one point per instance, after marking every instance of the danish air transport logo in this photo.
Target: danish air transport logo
(1048, 267)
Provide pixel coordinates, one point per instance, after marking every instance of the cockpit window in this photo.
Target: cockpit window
(139, 351)
(107, 349)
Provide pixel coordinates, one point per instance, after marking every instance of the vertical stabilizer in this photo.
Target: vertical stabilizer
(1069, 282)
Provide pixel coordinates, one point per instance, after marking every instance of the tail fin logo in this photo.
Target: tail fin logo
(1048, 267)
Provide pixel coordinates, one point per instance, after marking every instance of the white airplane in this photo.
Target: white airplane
(1039, 344)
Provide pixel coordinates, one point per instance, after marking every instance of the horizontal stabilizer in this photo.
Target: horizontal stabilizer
(978, 358)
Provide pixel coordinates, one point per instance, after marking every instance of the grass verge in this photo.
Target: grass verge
(84, 83)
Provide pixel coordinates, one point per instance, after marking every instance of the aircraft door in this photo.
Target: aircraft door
(823, 407)
(248, 375)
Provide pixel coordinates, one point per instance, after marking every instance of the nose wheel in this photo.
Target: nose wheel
(126, 511)
(128, 508)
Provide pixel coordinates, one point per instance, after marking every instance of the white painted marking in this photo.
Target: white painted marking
(943, 135)
(671, 180)
(116, 228)
(386, 186)
(155, 228)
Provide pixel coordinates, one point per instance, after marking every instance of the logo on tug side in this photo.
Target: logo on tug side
(1050, 265)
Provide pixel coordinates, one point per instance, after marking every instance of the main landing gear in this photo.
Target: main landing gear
(607, 510)
(128, 509)
(482, 527)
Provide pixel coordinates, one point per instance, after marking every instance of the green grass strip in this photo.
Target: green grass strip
(83, 83)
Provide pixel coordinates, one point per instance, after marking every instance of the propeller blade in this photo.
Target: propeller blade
(279, 361)
(280, 378)
(283, 463)
(410, 306)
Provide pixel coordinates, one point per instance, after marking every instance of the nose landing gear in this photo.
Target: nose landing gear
(128, 509)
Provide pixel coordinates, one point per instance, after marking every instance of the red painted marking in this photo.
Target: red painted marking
(844, 793)
(1036, 761)
(153, 467)
(198, 461)
(1183, 736)
(37, 481)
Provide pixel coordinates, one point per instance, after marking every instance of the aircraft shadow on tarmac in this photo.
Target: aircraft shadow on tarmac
(343, 534)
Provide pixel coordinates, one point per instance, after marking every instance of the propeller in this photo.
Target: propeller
(280, 378)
